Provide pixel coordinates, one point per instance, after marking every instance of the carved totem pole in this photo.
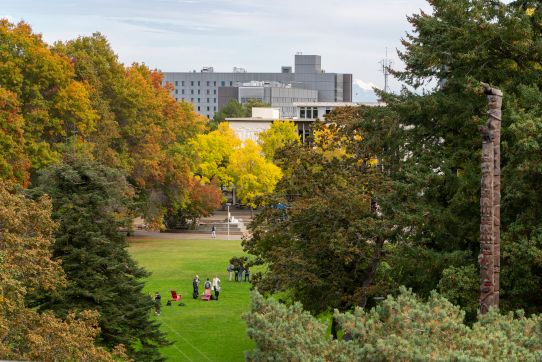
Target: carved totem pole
(490, 204)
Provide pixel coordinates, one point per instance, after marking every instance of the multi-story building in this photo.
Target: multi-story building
(202, 88)
(277, 95)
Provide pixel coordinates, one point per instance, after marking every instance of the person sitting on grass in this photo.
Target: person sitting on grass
(207, 287)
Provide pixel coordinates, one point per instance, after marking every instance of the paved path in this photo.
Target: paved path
(139, 234)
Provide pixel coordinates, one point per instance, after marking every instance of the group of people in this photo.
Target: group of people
(215, 285)
(237, 272)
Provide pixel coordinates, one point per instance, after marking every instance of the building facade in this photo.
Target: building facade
(202, 88)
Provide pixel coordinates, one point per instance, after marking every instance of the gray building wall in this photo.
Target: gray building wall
(226, 94)
(201, 88)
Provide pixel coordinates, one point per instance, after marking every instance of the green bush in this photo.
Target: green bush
(401, 328)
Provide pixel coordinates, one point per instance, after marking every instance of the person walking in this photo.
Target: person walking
(230, 269)
(216, 286)
(195, 285)
(157, 303)
(213, 232)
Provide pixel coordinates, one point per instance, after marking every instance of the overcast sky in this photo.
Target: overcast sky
(258, 35)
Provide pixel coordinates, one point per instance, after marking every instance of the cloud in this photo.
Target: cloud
(364, 85)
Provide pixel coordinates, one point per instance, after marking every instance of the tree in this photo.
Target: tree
(401, 328)
(278, 135)
(253, 175)
(54, 106)
(26, 265)
(459, 45)
(14, 162)
(91, 205)
(212, 153)
(325, 244)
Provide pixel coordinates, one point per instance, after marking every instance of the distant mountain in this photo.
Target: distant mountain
(362, 91)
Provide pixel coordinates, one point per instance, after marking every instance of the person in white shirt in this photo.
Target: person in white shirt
(216, 286)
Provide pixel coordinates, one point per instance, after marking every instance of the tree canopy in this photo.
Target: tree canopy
(27, 266)
(91, 206)
(401, 328)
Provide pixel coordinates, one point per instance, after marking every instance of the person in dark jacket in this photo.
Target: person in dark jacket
(195, 285)
(157, 303)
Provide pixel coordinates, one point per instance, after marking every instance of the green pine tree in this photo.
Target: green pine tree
(91, 205)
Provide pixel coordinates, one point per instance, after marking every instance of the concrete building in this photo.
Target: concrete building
(273, 93)
(311, 111)
(201, 88)
(249, 127)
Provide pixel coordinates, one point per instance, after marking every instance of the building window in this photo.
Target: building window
(176, 83)
(198, 100)
(198, 83)
(192, 83)
(315, 112)
(208, 100)
(214, 91)
(199, 108)
(182, 83)
(191, 91)
(214, 108)
(302, 112)
(199, 91)
(208, 91)
(182, 91)
(208, 83)
(214, 100)
(222, 83)
(214, 83)
(192, 100)
(176, 91)
(208, 108)
(231, 83)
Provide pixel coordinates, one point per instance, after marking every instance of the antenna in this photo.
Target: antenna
(385, 69)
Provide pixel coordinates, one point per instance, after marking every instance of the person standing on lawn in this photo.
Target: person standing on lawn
(195, 285)
(157, 303)
(216, 286)
(230, 270)
(213, 232)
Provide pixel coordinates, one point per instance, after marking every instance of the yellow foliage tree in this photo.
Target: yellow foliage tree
(212, 154)
(253, 175)
(278, 135)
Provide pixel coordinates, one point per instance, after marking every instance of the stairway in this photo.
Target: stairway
(218, 219)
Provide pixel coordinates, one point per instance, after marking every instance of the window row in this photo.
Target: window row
(308, 112)
(198, 91)
(193, 82)
(198, 100)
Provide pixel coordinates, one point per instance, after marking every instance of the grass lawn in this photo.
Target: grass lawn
(200, 331)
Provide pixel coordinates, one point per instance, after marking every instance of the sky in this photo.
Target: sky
(259, 35)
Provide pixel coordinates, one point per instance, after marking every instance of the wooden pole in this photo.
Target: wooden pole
(490, 200)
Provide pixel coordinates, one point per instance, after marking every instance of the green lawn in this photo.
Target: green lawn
(200, 331)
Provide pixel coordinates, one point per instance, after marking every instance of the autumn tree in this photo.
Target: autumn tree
(26, 266)
(253, 175)
(212, 153)
(53, 105)
(14, 162)
(279, 134)
(91, 206)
